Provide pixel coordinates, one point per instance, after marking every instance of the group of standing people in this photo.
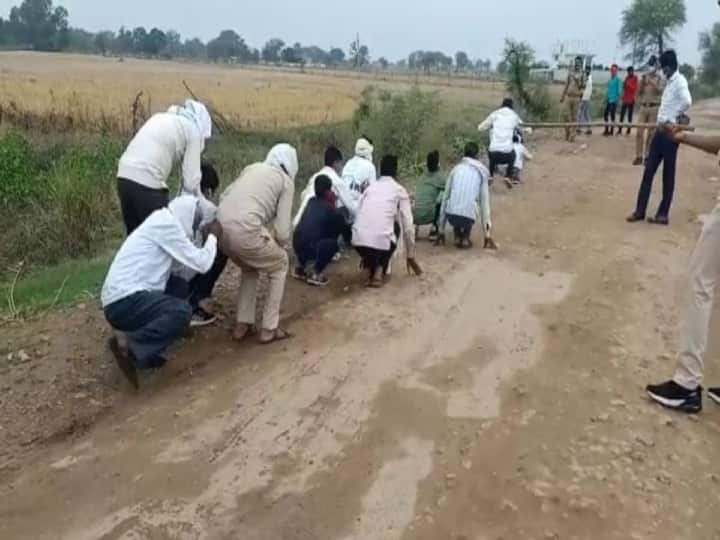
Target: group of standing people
(627, 95)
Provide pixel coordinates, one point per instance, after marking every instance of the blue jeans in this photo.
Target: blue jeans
(662, 150)
(152, 321)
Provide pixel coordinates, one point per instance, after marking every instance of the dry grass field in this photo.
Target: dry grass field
(89, 87)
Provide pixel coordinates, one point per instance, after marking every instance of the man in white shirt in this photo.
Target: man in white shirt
(166, 139)
(135, 295)
(503, 123)
(466, 192)
(684, 391)
(676, 100)
(584, 113)
(347, 199)
(359, 172)
(521, 155)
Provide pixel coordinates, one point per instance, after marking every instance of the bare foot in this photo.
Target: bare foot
(241, 331)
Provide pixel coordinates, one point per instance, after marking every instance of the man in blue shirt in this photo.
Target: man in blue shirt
(614, 91)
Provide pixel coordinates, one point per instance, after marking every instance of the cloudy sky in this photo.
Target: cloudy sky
(392, 28)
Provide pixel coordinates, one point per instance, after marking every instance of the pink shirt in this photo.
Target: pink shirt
(383, 203)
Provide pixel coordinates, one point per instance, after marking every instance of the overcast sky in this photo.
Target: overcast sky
(392, 28)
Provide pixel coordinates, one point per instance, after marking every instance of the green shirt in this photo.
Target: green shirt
(428, 193)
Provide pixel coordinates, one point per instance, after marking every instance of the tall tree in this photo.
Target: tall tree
(359, 53)
(271, 50)
(193, 48)
(462, 61)
(40, 25)
(648, 26)
(230, 46)
(336, 56)
(710, 48)
(104, 42)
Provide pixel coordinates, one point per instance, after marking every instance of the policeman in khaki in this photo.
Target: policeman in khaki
(573, 93)
(649, 97)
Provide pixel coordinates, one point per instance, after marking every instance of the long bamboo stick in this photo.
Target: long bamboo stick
(550, 125)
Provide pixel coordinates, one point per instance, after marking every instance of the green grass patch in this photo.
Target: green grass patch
(67, 283)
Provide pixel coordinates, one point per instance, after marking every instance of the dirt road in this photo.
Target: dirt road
(499, 397)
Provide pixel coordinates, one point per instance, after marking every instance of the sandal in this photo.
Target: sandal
(277, 335)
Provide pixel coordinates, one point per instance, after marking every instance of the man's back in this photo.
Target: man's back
(464, 188)
(504, 121)
(251, 201)
(359, 173)
(375, 222)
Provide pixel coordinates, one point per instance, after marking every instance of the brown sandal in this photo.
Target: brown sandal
(278, 335)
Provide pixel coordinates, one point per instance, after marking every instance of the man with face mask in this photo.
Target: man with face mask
(676, 100)
(138, 296)
(573, 93)
(649, 94)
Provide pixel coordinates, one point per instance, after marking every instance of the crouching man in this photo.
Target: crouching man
(135, 296)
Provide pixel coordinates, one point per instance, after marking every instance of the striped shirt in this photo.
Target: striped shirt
(467, 193)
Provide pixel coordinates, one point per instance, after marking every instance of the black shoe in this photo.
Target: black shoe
(714, 394)
(125, 361)
(634, 218)
(659, 220)
(674, 396)
(202, 318)
(638, 161)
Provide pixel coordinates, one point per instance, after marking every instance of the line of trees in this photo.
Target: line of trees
(39, 25)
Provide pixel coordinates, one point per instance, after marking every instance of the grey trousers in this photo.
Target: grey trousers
(704, 273)
(584, 116)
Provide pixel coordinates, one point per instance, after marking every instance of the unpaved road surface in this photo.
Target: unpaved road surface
(498, 397)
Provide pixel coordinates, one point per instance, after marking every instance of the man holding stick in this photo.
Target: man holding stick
(676, 100)
(684, 391)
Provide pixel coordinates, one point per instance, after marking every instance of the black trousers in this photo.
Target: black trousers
(202, 285)
(373, 259)
(662, 150)
(629, 109)
(502, 158)
(462, 226)
(610, 114)
(320, 252)
(137, 202)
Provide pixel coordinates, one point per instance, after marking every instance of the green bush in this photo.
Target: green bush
(71, 209)
(405, 124)
(18, 170)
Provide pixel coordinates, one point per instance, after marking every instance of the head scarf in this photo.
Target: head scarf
(364, 149)
(186, 210)
(197, 113)
(284, 157)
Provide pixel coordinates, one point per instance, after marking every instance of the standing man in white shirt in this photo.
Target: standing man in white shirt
(359, 172)
(684, 391)
(166, 139)
(137, 295)
(502, 123)
(585, 111)
(676, 100)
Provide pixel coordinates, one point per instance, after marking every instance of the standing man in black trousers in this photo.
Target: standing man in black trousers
(676, 100)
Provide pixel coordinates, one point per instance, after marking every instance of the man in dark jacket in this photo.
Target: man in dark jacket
(316, 236)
